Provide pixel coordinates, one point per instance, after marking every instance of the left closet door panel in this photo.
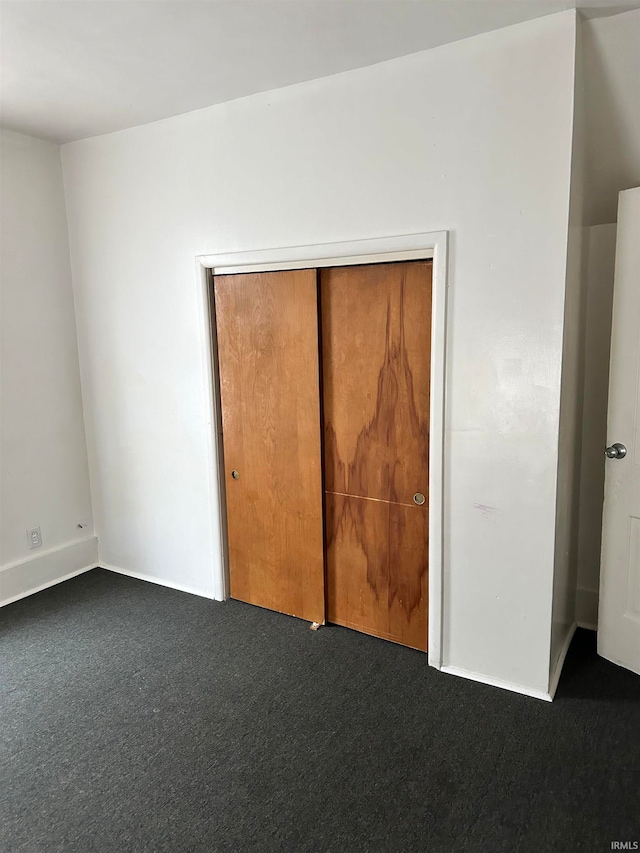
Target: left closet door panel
(267, 332)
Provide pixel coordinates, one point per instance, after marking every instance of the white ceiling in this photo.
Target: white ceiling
(79, 68)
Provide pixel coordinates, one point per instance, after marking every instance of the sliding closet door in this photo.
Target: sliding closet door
(267, 329)
(376, 343)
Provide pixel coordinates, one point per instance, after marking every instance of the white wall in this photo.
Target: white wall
(612, 99)
(597, 343)
(474, 137)
(570, 433)
(44, 477)
(612, 74)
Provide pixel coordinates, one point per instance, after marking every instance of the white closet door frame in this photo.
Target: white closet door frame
(408, 247)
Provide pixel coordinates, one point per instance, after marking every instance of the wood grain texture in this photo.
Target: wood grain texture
(376, 344)
(377, 560)
(267, 330)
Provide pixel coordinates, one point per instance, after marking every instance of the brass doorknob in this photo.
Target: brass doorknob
(419, 498)
(235, 474)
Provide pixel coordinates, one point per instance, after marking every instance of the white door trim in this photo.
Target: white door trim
(406, 247)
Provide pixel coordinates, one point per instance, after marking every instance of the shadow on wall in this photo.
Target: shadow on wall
(611, 49)
(597, 342)
(611, 78)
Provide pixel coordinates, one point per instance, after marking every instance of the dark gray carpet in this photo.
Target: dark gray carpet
(135, 718)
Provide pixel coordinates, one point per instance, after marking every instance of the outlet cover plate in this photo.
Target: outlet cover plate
(35, 537)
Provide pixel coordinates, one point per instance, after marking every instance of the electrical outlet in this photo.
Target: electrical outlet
(35, 537)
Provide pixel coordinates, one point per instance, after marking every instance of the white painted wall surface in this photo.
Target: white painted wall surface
(611, 51)
(612, 67)
(44, 477)
(473, 137)
(597, 344)
(572, 383)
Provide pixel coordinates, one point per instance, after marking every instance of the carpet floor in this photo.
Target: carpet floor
(136, 718)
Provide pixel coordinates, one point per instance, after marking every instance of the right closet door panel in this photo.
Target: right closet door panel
(376, 345)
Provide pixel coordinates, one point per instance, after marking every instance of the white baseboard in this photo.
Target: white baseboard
(587, 608)
(47, 568)
(496, 682)
(555, 676)
(159, 581)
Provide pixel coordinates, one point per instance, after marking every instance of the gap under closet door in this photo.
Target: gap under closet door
(267, 334)
(376, 352)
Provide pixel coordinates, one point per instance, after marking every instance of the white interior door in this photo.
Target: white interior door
(619, 617)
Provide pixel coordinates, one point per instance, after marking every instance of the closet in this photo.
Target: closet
(324, 391)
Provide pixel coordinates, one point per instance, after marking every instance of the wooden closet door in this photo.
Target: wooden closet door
(267, 327)
(376, 344)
